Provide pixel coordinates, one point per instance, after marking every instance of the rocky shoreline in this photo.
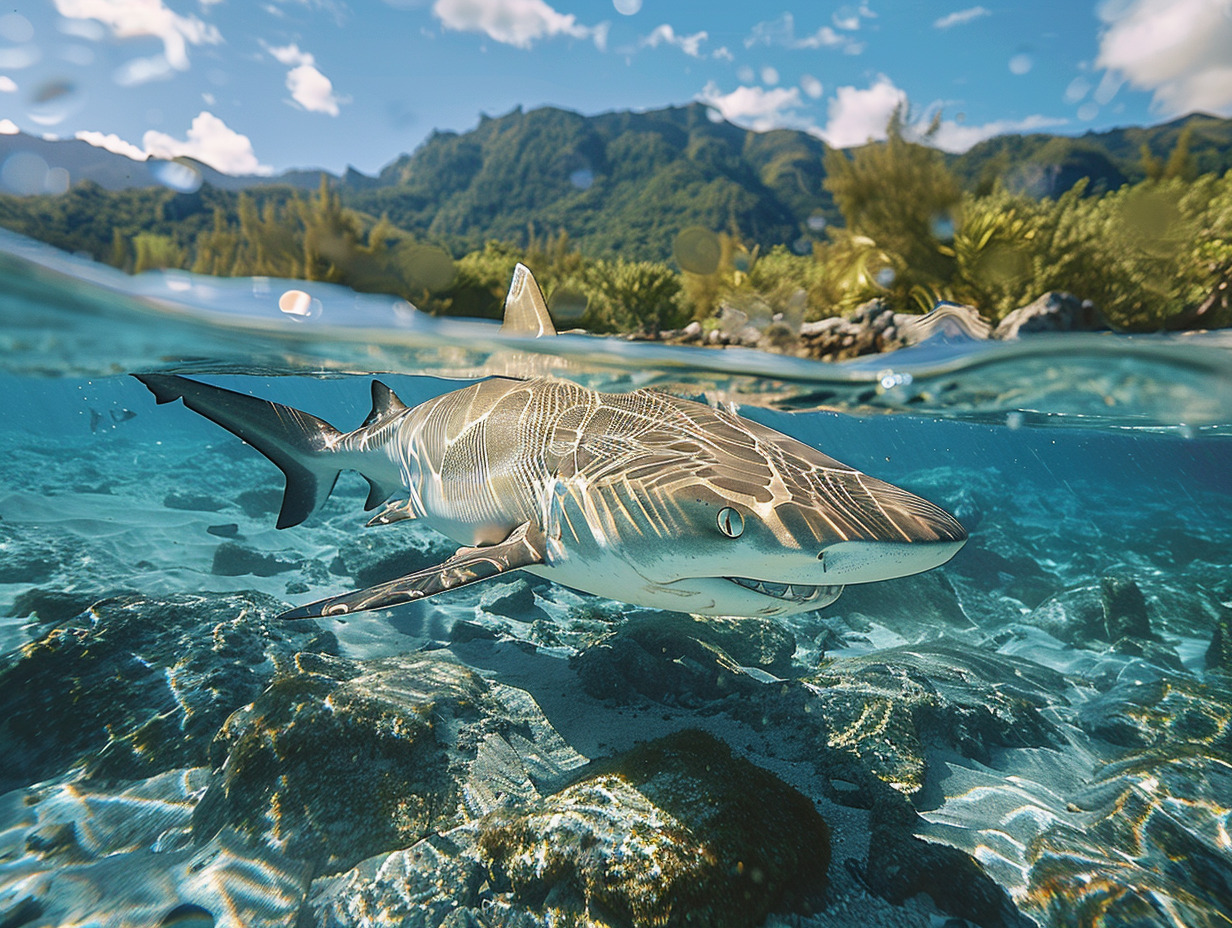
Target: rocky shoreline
(874, 328)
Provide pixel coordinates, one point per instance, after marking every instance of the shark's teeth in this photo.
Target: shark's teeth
(793, 592)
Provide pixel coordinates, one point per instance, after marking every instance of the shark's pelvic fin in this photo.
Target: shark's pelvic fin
(398, 510)
(294, 440)
(526, 312)
(525, 546)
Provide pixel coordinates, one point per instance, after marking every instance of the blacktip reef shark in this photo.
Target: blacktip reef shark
(641, 497)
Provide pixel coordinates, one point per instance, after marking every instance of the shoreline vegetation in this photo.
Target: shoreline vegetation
(1150, 255)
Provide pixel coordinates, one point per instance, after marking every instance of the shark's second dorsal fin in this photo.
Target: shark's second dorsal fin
(526, 312)
(384, 403)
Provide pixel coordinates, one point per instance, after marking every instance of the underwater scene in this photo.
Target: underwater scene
(1032, 728)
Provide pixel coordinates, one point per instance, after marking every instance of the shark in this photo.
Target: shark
(641, 497)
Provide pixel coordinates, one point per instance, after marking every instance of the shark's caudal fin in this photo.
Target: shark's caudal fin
(299, 443)
(526, 312)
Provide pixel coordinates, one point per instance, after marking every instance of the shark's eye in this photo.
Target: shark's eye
(731, 522)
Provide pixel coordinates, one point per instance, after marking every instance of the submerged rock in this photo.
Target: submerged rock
(670, 657)
(373, 557)
(889, 709)
(1152, 847)
(513, 599)
(1219, 653)
(900, 866)
(1124, 609)
(674, 832)
(53, 605)
(236, 560)
(922, 601)
(138, 685)
(339, 760)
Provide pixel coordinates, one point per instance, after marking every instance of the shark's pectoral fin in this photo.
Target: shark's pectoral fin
(525, 546)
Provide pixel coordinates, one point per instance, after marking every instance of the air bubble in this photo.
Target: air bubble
(697, 250)
(942, 228)
(52, 101)
(177, 176)
(26, 174)
(299, 305)
(16, 28)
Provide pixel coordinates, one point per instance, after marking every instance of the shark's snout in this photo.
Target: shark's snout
(898, 534)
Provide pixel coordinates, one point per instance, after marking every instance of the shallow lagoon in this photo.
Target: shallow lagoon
(1039, 730)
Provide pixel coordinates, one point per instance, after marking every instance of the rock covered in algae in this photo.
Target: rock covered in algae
(889, 709)
(673, 832)
(339, 760)
(900, 866)
(677, 831)
(138, 685)
(684, 660)
(1151, 846)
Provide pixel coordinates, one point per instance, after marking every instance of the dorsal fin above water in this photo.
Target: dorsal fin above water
(526, 312)
(384, 403)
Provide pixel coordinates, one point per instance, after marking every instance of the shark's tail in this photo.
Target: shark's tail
(300, 444)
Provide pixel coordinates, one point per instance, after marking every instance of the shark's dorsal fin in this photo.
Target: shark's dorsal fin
(384, 403)
(525, 546)
(526, 312)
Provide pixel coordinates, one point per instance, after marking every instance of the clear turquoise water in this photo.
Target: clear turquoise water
(1070, 458)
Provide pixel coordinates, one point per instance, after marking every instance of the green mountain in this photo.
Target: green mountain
(1048, 165)
(619, 183)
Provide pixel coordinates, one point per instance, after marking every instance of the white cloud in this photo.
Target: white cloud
(131, 18)
(961, 17)
(958, 137)
(1181, 50)
(309, 87)
(7, 84)
(755, 107)
(212, 141)
(782, 31)
(513, 22)
(811, 86)
(666, 35)
(113, 143)
(290, 55)
(312, 90)
(8, 127)
(855, 116)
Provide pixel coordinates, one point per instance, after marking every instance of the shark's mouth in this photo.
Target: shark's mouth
(791, 592)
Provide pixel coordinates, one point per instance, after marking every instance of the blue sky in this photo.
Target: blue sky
(266, 85)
